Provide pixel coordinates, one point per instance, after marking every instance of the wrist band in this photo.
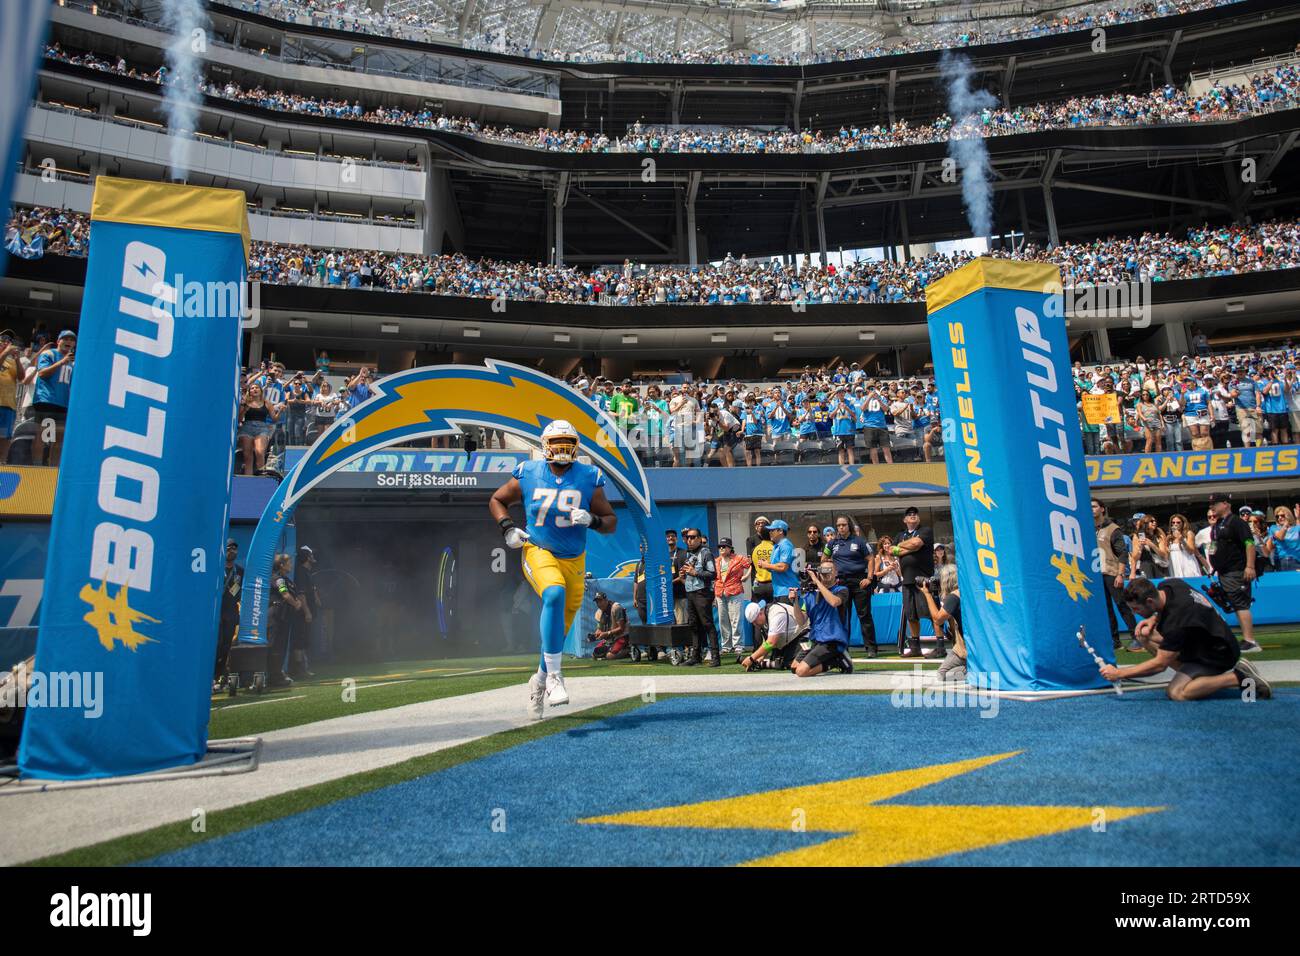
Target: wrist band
(506, 524)
(768, 646)
(596, 522)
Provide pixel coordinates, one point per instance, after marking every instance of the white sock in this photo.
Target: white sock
(553, 662)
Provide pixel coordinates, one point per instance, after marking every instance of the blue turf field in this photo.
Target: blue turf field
(1224, 771)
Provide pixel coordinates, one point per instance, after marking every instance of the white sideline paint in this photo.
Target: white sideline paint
(254, 703)
(59, 820)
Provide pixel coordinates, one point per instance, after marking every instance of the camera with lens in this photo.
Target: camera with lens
(806, 583)
(930, 584)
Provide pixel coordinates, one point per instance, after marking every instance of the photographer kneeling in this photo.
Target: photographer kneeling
(779, 647)
(610, 636)
(824, 609)
(947, 612)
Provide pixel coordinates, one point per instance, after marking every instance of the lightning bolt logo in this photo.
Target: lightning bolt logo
(113, 618)
(1071, 577)
(430, 401)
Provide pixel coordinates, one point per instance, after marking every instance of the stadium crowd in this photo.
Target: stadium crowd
(842, 415)
(1278, 88)
(1156, 257)
(353, 16)
(847, 415)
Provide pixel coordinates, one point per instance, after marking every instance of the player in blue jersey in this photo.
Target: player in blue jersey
(562, 498)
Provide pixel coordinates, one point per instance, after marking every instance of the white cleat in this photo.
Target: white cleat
(536, 695)
(556, 695)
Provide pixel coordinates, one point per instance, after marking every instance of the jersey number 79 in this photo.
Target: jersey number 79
(564, 502)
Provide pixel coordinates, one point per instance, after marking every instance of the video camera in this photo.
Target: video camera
(1216, 593)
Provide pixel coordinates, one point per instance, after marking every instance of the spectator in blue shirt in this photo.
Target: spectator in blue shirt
(51, 395)
(875, 427)
(1283, 544)
(1246, 395)
(358, 388)
(755, 426)
(843, 421)
(1276, 407)
(782, 563)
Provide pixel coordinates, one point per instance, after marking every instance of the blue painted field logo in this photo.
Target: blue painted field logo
(77, 909)
(21, 689)
(911, 691)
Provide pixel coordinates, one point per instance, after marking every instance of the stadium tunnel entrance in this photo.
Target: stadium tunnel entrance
(414, 577)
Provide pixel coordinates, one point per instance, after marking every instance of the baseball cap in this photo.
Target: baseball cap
(306, 552)
(1139, 516)
(828, 530)
(912, 511)
(1244, 510)
(600, 596)
(232, 543)
(779, 525)
(7, 334)
(753, 609)
(724, 543)
(67, 334)
(1219, 496)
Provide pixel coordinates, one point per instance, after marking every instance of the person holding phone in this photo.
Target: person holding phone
(52, 393)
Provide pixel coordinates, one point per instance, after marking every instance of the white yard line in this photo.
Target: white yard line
(254, 703)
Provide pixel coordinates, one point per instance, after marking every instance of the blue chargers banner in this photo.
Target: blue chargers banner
(23, 556)
(23, 28)
(1018, 487)
(132, 585)
(1174, 467)
(616, 555)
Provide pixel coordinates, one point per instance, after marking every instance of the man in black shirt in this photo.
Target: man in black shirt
(698, 574)
(850, 554)
(1232, 555)
(1181, 629)
(230, 591)
(681, 607)
(915, 552)
(812, 552)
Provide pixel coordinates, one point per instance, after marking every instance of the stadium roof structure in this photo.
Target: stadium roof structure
(650, 30)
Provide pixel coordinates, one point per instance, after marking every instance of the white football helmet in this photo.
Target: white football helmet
(560, 442)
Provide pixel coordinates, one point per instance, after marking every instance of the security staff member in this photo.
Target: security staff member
(698, 574)
(851, 555)
(229, 624)
(1112, 549)
(915, 552)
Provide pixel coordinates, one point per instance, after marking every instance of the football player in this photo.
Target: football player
(562, 498)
